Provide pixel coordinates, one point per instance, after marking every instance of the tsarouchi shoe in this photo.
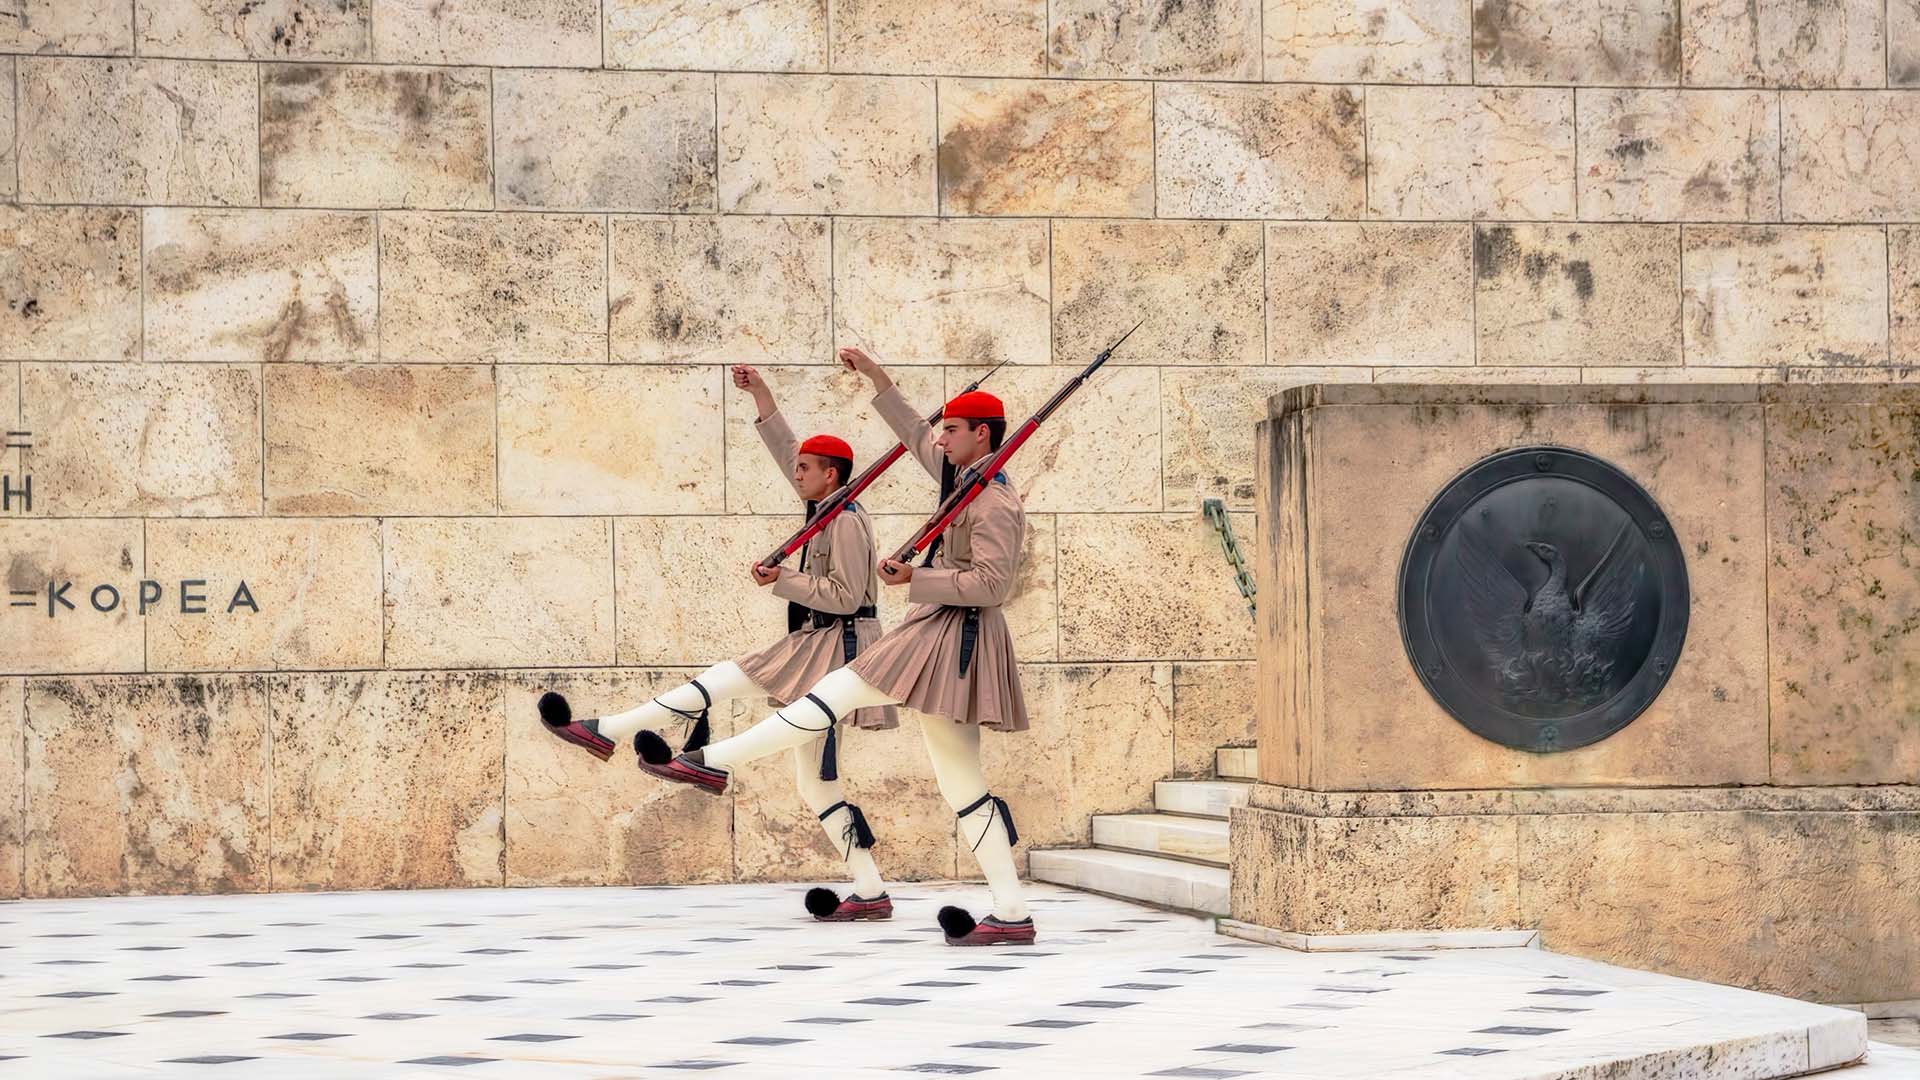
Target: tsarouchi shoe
(961, 929)
(557, 716)
(826, 906)
(658, 759)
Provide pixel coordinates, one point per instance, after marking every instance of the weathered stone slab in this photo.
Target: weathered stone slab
(417, 137)
(722, 289)
(1903, 43)
(258, 29)
(1799, 44)
(1046, 148)
(92, 27)
(1843, 593)
(842, 144)
(1196, 283)
(13, 794)
(823, 399)
(1679, 155)
(942, 292)
(505, 288)
(9, 108)
(1212, 707)
(314, 584)
(261, 285)
(143, 439)
(1187, 608)
(498, 592)
(959, 37)
(1577, 42)
(1547, 295)
(684, 593)
(379, 439)
(103, 630)
(1144, 39)
(71, 279)
(604, 140)
(724, 35)
(572, 819)
(1903, 255)
(625, 439)
(1466, 152)
(1069, 465)
(1850, 156)
(137, 131)
(1206, 428)
(1260, 151)
(368, 789)
(1759, 294)
(496, 33)
(1385, 295)
(1399, 41)
(146, 784)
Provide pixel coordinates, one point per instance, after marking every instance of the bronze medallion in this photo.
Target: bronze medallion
(1543, 599)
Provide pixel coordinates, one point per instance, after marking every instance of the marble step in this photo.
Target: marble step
(1130, 876)
(1200, 798)
(1237, 762)
(1194, 839)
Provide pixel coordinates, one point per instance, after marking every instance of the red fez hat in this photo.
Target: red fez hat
(975, 405)
(827, 446)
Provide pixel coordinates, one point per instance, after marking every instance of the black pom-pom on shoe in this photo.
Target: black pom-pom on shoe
(651, 747)
(554, 710)
(822, 902)
(955, 922)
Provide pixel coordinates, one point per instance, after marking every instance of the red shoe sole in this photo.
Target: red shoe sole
(975, 940)
(597, 745)
(858, 916)
(668, 772)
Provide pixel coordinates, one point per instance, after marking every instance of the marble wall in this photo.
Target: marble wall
(413, 317)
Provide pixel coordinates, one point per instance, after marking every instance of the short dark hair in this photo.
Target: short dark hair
(843, 464)
(996, 430)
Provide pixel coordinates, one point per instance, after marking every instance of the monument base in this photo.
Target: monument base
(1805, 891)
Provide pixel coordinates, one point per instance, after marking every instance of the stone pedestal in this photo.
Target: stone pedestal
(1757, 824)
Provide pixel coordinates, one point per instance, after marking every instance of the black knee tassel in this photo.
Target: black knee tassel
(830, 756)
(1000, 807)
(857, 833)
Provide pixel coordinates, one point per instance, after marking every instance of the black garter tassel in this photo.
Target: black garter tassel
(830, 757)
(857, 834)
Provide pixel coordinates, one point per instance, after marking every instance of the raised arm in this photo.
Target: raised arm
(995, 544)
(842, 590)
(909, 426)
(768, 422)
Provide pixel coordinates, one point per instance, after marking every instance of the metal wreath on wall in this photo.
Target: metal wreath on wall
(1543, 598)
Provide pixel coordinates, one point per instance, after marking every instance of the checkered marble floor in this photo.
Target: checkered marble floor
(737, 981)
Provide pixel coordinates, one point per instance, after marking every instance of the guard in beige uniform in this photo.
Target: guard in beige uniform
(951, 658)
(831, 595)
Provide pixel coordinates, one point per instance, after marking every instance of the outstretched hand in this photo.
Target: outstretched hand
(764, 575)
(895, 572)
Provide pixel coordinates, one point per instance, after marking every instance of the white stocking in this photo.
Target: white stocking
(819, 795)
(955, 752)
(723, 681)
(798, 723)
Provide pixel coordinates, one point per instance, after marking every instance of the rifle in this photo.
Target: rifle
(972, 482)
(830, 507)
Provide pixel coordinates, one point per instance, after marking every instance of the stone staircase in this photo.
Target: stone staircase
(1175, 856)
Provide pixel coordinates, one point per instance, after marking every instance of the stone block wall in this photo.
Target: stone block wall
(414, 317)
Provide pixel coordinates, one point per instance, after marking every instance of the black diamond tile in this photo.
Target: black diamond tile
(425, 966)
(795, 967)
(1211, 956)
(547, 982)
(939, 982)
(532, 1037)
(1097, 1003)
(354, 978)
(61, 935)
(310, 1036)
(1179, 971)
(997, 1044)
(673, 999)
(1415, 958)
(1471, 1051)
(1141, 986)
(1143, 920)
(66, 963)
(763, 1040)
(188, 1014)
(150, 948)
(945, 1069)
(250, 963)
(491, 952)
(891, 940)
(1324, 1006)
(831, 1020)
(1109, 930)
(695, 1064)
(1568, 992)
(985, 967)
(271, 923)
(1549, 1009)
(1201, 1071)
(88, 1034)
(1354, 989)
(1275, 1025)
(476, 997)
(164, 978)
(606, 967)
(274, 995)
(1515, 1029)
(739, 982)
(723, 940)
(887, 1001)
(387, 937)
(396, 1016)
(209, 1059)
(1052, 1024)
(452, 924)
(668, 952)
(448, 1059)
(1245, 1048)
(318, 949)
(613, 1016)
(79, 994)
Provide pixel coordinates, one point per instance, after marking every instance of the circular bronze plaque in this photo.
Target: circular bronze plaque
(1543, 599)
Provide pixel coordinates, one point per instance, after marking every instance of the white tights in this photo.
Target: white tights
(953, 748)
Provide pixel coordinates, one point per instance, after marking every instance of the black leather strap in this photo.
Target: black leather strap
(999, 807)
